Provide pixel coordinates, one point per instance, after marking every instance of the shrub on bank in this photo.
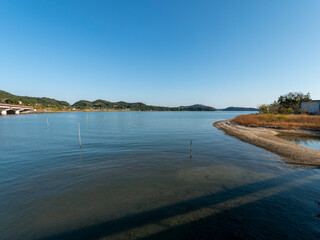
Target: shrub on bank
(286, 104)
(290, 121)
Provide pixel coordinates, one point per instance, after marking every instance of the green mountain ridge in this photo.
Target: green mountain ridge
(239, 109)
(99, 104)
(198, 107)
(138, 106)
(9, 98)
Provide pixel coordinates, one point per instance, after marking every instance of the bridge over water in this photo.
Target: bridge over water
(16, 109)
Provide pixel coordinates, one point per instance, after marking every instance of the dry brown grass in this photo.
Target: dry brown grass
(279, 121)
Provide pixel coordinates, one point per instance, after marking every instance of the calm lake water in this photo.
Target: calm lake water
(134, 179)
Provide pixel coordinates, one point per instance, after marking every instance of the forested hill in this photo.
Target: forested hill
(138, 106)
(9, 98)
(239, 109)
(52, 104)
(105, 105)
(197, 107)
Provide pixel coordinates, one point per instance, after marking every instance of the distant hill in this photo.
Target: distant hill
(102, 104)
(9, 98)
(197, 107)
(138, 106)
(239, 109)
(99, 104)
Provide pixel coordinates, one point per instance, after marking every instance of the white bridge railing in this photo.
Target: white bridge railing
(4, 108)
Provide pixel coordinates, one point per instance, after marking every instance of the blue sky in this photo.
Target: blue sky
(165, 52)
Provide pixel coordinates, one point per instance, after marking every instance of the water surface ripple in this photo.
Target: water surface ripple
(133, 179)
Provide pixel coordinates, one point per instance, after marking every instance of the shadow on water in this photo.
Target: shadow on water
(246, 212)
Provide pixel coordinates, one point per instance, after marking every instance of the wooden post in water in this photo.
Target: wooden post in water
(190, 148)
(48, 123)
(79, 134)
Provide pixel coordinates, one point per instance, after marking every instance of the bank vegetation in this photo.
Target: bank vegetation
(281, 121)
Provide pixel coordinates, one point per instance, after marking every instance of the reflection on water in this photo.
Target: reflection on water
(134, 179)
(306, 141)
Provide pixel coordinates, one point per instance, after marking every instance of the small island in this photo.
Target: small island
(240, 109)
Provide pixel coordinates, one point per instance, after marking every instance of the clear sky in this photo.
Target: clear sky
(165, 52)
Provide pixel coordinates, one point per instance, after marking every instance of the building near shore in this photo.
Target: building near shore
(312, 107)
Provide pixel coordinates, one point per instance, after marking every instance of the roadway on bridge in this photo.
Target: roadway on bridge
(16, 109)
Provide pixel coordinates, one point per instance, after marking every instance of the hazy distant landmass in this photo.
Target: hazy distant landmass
(53, 104)
(197, 107)
(239, 109)
(138, 106)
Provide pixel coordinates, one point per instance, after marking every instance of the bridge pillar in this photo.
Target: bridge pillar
(4, 112)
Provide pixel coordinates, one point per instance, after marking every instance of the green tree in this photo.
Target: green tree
(269, 108)
(12, 101)
(291, 102)
(286, 104)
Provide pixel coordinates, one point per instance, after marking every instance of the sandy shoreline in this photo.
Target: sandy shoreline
(267, 138)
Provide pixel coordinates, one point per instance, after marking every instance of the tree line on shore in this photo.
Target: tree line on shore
(138, 106)
(53, 104)
(286, 104)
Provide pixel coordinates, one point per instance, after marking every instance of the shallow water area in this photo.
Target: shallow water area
(305, 141)
(133, 178)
